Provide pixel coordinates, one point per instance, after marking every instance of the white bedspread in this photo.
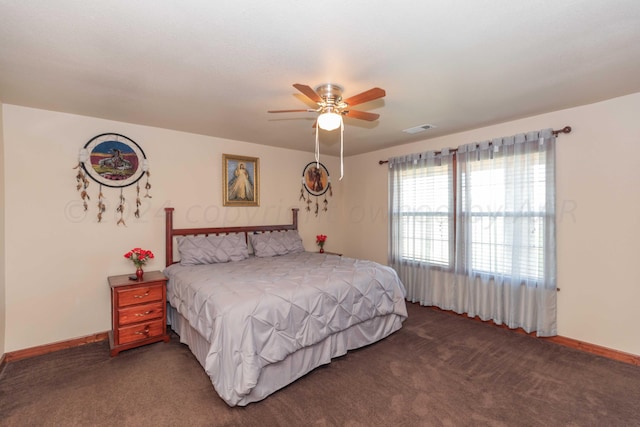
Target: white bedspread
(258, 311)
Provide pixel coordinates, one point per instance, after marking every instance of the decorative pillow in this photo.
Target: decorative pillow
(292, 241)
(276, 243)
(213, 249)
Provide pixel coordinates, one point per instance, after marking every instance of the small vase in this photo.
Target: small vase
(321, 250)
(139, 273)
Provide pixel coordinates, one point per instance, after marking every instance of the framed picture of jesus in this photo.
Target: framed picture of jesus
(241, 180)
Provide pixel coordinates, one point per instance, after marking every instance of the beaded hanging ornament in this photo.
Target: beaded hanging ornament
(115, 161)
(315, 182)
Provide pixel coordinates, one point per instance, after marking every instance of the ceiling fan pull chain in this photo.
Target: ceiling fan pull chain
(317, 148)
(341, 148)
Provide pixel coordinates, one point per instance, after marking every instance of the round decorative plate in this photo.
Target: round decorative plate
(114, 160)
(315, 178)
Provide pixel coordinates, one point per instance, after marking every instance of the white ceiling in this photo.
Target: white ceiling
(216, 67)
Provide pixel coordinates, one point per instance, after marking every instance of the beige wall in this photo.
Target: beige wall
(2, 243)
(58, 257)
(598, 174)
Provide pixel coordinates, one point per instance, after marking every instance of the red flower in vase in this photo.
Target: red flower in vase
(320, 239)
(139, 256)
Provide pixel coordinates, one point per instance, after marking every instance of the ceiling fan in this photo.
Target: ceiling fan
(332, 106)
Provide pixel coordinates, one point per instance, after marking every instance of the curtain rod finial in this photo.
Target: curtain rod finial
(566, 129)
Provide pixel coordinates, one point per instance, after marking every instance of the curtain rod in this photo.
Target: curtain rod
(566, 129)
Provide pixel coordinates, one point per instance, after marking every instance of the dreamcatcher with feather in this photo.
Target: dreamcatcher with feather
(115, 161)
(317, 183)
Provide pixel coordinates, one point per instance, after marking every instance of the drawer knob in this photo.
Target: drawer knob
(143, 314)
(145, 332)
(142, 296)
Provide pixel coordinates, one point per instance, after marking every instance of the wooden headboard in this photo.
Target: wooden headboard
(172, 232)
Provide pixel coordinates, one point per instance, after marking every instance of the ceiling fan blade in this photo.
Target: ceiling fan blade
(308, 92)
(362, 115)
(291, 111)
(366, 96)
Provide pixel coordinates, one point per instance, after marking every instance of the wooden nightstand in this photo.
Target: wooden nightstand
(138, 311)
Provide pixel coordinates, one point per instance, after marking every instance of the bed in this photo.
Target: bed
(258, 312)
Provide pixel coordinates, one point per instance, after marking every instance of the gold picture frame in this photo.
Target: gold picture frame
(240, 181)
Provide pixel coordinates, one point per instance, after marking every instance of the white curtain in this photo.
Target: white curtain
(421, 240)
(502, 259)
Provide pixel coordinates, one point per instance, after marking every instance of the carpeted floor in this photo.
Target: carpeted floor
(438, 370)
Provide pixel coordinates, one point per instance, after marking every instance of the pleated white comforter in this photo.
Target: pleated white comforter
(258, 311)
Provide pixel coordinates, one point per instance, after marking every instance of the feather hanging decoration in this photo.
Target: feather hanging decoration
(82, 183)
(101, 206)
(120, 209)
(138, 202)
(147, 185)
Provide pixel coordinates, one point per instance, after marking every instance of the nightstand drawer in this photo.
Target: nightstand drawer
(140, 313)
(140, 295)
(141, 331)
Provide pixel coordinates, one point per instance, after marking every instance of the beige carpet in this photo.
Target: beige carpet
(439, 370)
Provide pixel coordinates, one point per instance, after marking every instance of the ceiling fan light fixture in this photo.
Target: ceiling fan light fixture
(332, 107)
(329, 121)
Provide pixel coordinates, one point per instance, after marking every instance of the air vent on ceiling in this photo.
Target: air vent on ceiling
(418, 129)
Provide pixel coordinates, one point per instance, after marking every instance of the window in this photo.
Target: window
(505, 212)
(425, 219)
(423, 209)
(499, 198)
